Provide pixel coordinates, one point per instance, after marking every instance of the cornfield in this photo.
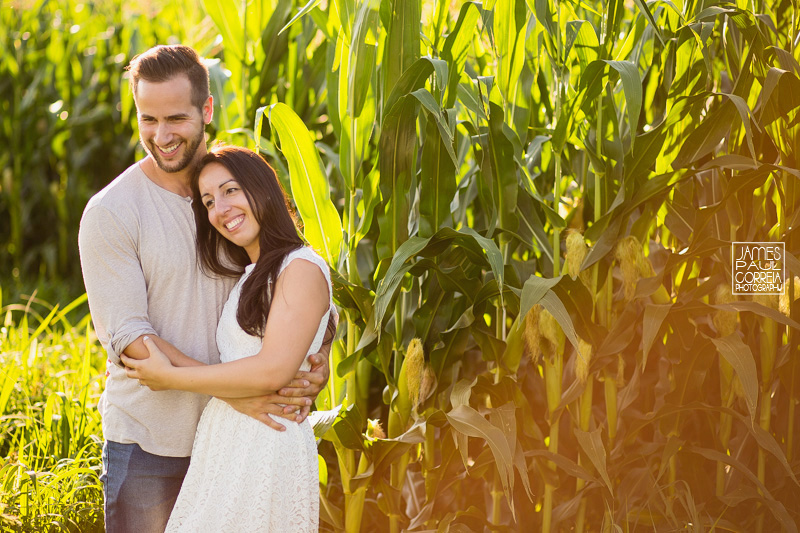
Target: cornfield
(528, 208)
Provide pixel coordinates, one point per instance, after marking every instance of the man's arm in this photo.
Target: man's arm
(137, 350)
(114, 280)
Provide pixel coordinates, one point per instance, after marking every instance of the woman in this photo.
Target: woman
(244, 476)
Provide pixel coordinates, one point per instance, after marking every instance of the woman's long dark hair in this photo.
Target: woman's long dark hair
(278, 235)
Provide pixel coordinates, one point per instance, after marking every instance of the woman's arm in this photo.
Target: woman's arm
(138, 350)
(299, 303)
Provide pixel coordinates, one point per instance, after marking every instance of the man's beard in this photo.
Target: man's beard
(192, 146)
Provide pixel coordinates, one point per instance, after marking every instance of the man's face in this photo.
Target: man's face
(171, 128)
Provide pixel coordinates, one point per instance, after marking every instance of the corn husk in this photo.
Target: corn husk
(551, 332)
(531, 333)
(576, 252)
(724, 321)
(375, 429)
(583, 360)
(632, 263)
(415, 361)
(427, 385)
(785, 304)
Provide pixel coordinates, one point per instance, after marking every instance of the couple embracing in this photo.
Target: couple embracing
(200, 287)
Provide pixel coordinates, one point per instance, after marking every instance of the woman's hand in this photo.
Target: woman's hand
(153, 372)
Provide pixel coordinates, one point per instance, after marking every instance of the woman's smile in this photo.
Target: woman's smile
(235, 223)
(229, 210)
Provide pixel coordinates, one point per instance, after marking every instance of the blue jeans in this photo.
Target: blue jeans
(140, 488)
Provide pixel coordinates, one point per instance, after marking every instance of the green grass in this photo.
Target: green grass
(50, 432)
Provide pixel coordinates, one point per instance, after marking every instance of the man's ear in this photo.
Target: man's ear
(208, 110)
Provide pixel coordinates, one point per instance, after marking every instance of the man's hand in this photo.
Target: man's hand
(309, 384)
(260, 407)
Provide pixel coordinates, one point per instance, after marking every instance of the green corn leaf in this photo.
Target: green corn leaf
(787, 60)
(544, 16)
(454, 344)
(322, 421)
(354, 138)
(437, 181)
(712, 11)
(744, 115)
(564, 463)
(592, 445)
(509, 38)
(615, 13)
(534, 290)
(275, 46)
(649, 16)
(760, 310)
(413, 78)
(499, 187)
(434, 111)
(387, 451)
(777, 508)
(632, 87)
(481, 248)
(704, 137)
(456, 47)
(255, 15)
(552, 303)
(351, 296)
(739, 356)
(366, 208)
(226, 17)
(504, 417)
(468, 421)
(766, 441)
(466, 95)
(300, 14)
(396, 145)
(642, 158)
(343, 10)
(309, 184)
(363, 49)
(402, 46)
(461, 392)
(654, 316)
(493, 254)
(348, 428)
(780, 96)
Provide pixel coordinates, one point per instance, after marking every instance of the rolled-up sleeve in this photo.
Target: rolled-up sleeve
(115, 283)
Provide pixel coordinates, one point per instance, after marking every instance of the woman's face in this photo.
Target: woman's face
(228, 209)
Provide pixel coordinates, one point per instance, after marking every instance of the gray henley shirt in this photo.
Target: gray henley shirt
(142, 276)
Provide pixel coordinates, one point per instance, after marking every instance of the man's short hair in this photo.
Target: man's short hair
(164, 62)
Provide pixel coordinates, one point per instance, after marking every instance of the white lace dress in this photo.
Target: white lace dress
(243, 475)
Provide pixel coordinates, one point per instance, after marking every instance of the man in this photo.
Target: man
(142, 276)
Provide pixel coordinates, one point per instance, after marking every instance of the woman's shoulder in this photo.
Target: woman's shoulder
(304, 252)
(309, 255)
